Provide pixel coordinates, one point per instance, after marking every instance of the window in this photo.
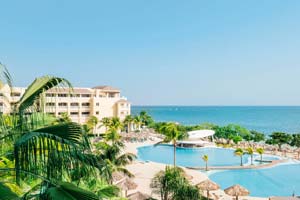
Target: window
(1, 94)
(15, 94)
(50, 104)
(85, 95)
(1, 104)
(50, 95)
(74, 95)
(111, 95)
(74, 113)
(62, 104)
(97, 113)
(51, 113)
(85, 104)
(85, 113)
(62, 95)
(97, 104)
(74, 104)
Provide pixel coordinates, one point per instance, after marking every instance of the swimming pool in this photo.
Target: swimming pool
(281, 180)
(190, 157)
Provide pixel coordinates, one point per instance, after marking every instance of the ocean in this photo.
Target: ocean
(266, 119)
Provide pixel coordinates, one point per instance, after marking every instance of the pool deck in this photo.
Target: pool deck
(145, 171)
(261, 166)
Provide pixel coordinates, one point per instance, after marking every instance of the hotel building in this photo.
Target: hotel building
(78, 103)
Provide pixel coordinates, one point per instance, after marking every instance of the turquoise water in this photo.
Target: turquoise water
(189, 157)
(261, 118)
(281, 180)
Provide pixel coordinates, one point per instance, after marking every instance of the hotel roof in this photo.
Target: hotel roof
(67, 90)
(122, 101)
(106, 87)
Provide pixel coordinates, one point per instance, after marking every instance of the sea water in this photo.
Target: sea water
(265, 119)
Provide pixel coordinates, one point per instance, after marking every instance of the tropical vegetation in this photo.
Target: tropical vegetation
(205, 159)
(172, 134)
(46, 158)
(172, 184)
(239, 152)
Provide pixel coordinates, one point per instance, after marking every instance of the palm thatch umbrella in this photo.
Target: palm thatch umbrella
(208, 185)
(298, 153)
(138, 196)
(118, 176)
(236, 191)
(127, 184)
(188, 177)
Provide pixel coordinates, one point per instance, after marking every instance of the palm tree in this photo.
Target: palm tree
(250, 151)
(205, 159)
(116, 123)
(172, 134)
(172, 184)
(92, 123)
(112, 135)
(138, 122)
(239, 152)
(260, 151)
(128, 120)
(63, 118)
(114, 159)
(145, 118)
(106, 121)
(44, 151)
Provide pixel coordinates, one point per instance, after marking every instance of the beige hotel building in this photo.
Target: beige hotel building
(78, 103)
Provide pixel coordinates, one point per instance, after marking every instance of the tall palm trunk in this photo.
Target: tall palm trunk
(174, 144)
(206, 166)
(251, 159)
(260, 158)
(241, 160)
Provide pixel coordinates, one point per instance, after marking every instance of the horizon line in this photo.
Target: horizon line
(184, 105)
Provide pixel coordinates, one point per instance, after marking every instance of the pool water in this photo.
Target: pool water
(190, 157)
(281, 180)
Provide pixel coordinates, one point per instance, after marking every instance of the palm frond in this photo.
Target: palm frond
(39, 86)
(68, 191)
(68, 131)
(108, 192)
(5, 76)
(6, 193)
(125, 159)
(50, 151)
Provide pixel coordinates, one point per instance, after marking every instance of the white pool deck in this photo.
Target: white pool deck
(145, 171)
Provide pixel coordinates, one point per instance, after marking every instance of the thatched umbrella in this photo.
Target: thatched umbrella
(138, 196)
(208, 185)
(237, 191)
(127, 184)
(188, 177)
(298, 153)
(118, 176)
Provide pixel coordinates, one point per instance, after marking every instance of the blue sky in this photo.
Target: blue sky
(171, 52)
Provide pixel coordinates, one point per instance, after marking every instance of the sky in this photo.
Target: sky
(170, 52)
